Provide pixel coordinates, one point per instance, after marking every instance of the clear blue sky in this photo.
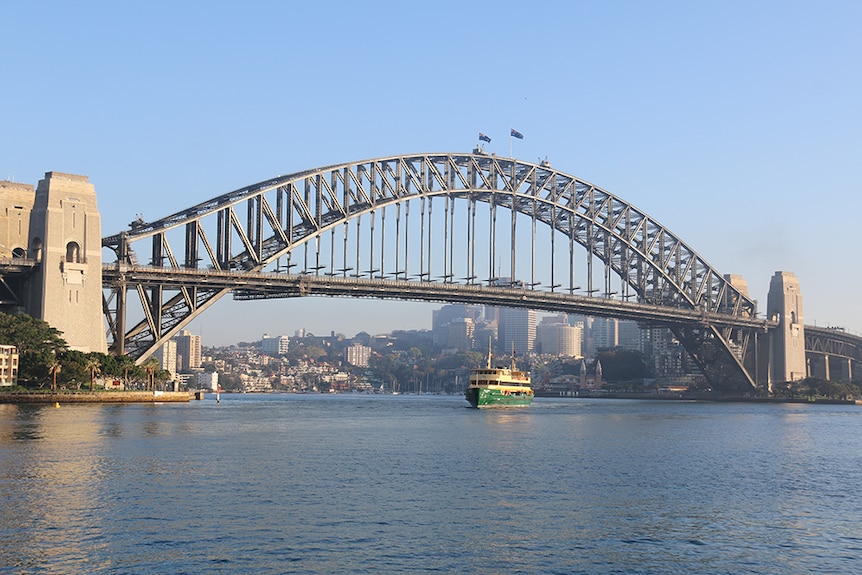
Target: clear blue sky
(738, 125)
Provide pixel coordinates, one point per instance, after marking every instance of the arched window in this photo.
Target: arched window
(20, 253)
(73, 253)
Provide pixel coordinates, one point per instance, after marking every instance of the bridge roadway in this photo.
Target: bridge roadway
(257, 285)
(820, 342)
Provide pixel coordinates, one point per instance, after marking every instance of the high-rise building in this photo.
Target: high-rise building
(188, 351)
(605, 332)
(167, 356)
(669, 358)
(206, 380)
(483, 334)
(460, 334)
(556, 337)
(277, 345)
(516, 330)
(629, 334)
(357, 354)
(441, 318)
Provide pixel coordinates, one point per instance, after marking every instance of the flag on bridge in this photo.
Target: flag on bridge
(517, 134)
(484, 138)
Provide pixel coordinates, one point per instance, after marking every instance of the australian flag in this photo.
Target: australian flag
(484, 138)
(517, 134)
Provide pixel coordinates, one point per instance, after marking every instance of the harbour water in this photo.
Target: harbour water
(419, 484)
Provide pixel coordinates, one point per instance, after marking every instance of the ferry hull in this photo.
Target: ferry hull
(483, 397)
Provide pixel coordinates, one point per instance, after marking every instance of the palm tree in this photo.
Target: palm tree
(54, 368)
(93, 366)
(151, 365)
(126, 364)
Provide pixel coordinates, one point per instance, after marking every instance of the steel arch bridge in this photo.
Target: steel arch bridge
(483, 229)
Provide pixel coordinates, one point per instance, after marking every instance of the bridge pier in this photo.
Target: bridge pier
(835, 368)
(57, 229)
(787, 350)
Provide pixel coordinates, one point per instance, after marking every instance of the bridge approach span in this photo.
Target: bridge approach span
(476, 219)
(832, 353)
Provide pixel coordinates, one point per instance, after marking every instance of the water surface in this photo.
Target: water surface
(420, 484)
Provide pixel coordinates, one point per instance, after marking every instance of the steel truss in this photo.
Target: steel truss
(832, 342)
(332, 222)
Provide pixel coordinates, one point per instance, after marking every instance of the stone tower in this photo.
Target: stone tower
(16, 203)
(66, 239)
(784, 304)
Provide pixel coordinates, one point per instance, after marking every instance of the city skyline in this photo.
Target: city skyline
(744, 147)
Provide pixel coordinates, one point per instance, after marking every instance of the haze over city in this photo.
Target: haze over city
(735, 125)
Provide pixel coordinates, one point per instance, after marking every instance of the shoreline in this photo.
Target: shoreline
(99, 397)
(703, 397)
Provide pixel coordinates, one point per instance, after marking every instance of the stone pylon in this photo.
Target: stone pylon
(66, 239)
(784, 304)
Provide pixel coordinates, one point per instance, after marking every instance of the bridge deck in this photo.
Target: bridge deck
(251, 285)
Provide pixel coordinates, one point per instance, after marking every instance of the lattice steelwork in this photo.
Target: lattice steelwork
(473, 216)
(832, 342)
(832, 353)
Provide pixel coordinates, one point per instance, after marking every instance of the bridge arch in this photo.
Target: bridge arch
(331, 222)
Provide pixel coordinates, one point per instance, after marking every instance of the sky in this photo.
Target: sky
(737, 125)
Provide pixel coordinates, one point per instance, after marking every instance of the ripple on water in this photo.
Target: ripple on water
(375, 484)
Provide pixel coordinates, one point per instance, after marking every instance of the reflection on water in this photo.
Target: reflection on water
(51, 470)
(372, 484)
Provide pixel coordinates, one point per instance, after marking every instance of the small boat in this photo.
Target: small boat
(499, 386)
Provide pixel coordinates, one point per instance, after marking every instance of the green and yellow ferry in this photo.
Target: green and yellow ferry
(499, 387)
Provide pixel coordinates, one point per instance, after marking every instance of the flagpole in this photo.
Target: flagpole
(513, 133)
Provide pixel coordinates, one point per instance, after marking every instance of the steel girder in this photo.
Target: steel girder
(833, 343)
(250, 228)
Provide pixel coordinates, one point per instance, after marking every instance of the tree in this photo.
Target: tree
(74, 367)
(162, 376)
(54, 368)
(38, 345)
(620, 364)
(116, 365)
(93, 366)
(150, 366)
(125, 364)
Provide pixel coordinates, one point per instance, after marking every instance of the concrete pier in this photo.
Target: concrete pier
(98, 397)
